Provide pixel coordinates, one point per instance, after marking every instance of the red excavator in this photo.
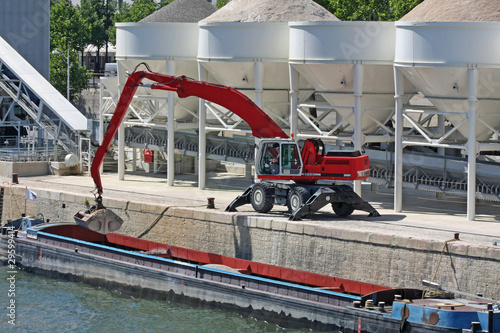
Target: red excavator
(300, 178)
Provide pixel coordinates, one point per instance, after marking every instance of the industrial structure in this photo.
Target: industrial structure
(318, 77)
(37, 123)
(428, 89)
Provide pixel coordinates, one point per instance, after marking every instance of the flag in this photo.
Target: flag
(31, 195)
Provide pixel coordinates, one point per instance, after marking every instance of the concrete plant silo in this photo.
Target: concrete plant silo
(450, 50)
(351, 65)
(167, 41)
(245, 45)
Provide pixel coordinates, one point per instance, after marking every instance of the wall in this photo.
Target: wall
(25, 169)
(369, 257)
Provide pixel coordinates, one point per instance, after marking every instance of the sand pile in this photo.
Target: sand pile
(271, 11)
(455, 10)
(182, 11)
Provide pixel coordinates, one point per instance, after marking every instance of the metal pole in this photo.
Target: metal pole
(121, 151)
(134, 159)
(398, 149)
(202, 139)
(294, 100)
(67, 80)
(101, 122)
(473, 80)
(259, 98)
(358, 75)
(171, 129)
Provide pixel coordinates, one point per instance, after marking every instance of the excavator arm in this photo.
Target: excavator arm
(261, 124)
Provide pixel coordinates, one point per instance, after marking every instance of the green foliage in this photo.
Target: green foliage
(140, 9)
(94, 14)
(66, 21)
(401, 8)
(371, 10)
(133, 13)
(221, 3)
(78, 75)
(67, 30)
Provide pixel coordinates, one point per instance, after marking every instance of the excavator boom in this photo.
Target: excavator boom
(261, 124)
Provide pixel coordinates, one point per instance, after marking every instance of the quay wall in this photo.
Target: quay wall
(378, 258)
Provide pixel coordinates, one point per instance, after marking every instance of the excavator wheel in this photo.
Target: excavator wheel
(342, 209)
(262, 197)
(297, 197)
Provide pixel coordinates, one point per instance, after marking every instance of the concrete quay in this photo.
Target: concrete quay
(396, 249)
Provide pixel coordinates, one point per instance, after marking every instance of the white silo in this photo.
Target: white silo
(245, 45)
(167, 41)
(455, 63)
(349, 63)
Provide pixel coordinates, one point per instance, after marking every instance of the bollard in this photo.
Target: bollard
(356, 304)
(15, 178)
(490, 317)
(211, 203)
(381, 306)
(475, 327)
(456, 236)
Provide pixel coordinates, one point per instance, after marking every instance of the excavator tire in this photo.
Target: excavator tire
(297, 197)
(342, 209)
(262, 197)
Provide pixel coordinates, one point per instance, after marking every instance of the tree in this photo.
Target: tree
(94, 14)
(371, 10)
(67, 31)
(141, 8)
(78, 75)
(121, 15)
(221, 3)
(134, 13)
(401, 8)
(66, 22)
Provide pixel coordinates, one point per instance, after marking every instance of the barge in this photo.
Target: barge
(287, 297)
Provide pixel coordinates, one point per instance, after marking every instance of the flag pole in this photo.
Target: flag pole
(25, 199)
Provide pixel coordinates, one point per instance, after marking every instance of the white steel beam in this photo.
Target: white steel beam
(171, 129)
(358, 75)
(473, 81)
(398, 150)
(202, 140)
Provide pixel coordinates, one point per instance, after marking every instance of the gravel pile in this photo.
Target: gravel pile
(271, 11)
(182, 11)
(455, 11)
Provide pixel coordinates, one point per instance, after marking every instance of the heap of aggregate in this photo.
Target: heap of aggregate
(182, 11)
(455, 11)
(271, 11)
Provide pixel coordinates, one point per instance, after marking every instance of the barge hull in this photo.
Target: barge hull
(286, 304)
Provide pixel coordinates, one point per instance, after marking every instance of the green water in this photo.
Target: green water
(49, 305)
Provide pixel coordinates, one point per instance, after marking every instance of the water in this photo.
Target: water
(51, 305)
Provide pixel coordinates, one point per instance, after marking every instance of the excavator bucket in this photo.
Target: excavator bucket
(100, 220)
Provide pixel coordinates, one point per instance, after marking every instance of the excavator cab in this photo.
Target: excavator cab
(279, 157)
